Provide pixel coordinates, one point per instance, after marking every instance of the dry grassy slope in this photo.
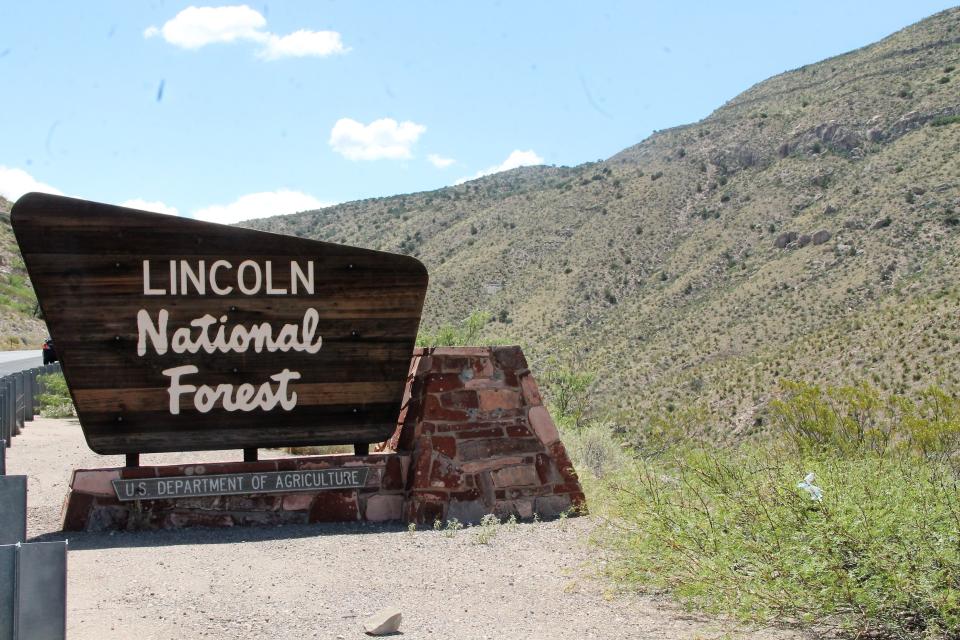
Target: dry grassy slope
(19, 327)
(658, 266)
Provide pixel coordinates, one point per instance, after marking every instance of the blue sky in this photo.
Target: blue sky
(227, 111)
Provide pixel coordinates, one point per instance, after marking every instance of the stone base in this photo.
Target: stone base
(92, 503)
(481, 439)
(473, 437)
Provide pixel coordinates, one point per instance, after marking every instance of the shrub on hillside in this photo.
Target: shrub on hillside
(463, 334)
(870, 544)
(568, 390)
(55, 401)
(858, 420)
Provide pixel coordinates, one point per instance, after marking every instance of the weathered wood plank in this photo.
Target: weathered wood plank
(329, 329)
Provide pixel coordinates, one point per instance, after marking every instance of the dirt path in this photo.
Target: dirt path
(320, 581)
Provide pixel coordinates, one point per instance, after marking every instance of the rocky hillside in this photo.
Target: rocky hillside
(19, 326)
(807, 229)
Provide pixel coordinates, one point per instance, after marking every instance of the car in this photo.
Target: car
(49, 353)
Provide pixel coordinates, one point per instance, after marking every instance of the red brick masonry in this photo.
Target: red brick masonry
(481, 439)
(473, 438)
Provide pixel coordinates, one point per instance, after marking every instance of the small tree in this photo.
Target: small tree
(568, 391)
(448, 335)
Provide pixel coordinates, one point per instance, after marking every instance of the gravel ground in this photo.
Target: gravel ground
(320, 581)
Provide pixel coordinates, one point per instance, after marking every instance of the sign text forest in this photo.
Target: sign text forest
(177, 335)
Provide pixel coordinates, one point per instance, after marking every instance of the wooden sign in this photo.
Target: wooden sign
(179, 335)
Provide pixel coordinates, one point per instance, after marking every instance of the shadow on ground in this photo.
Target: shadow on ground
(206, 535)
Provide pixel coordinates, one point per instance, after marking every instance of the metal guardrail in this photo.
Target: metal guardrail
(33, 575)
(33, 591)
(19, 399)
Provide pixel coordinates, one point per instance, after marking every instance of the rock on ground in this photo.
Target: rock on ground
(384, 622)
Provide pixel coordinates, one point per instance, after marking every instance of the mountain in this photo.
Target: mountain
(20, 328)
(809, 229)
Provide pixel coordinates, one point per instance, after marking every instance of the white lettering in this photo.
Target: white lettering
(296, 274)
(250, 277)
(192, 339)
(147, 289)
(196, 277)
(157, 333)
(176, 389)
(246, 398)
(216, 288)
(241, 280)
(271, 290)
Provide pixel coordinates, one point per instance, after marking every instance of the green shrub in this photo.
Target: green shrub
(732, 530)
(568, 390)
(55, 402)
(594, 449)
(448, 335)
(942, 121)
(857, 419)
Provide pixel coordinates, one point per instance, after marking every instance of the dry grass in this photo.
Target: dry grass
(671, 289)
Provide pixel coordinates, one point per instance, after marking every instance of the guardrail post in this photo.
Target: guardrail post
(36, 391)
(33, 591)
(13, 506)
(31, 379)
(27, 396)
(41, 388)
(11, 406)
(8, 589)
(41, 607)
(4, 429)
(18, 412)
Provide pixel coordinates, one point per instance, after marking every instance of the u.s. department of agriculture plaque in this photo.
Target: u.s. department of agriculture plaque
(228, 484)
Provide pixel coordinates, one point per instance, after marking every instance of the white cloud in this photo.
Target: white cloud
(260, 205)
(196, 27)
(439, 161)
(16, 182)
(517, 158)
(383, 138)
(150, 205)
(303, 43)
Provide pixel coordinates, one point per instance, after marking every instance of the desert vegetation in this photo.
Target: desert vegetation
(843, 517)
(55, 401)
(807, 229)
(20, 324)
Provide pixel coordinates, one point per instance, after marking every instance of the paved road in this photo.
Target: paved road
(13, 361)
